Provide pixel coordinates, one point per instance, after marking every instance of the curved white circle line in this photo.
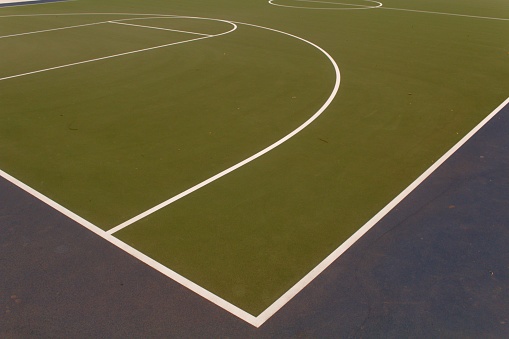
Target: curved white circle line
(356, 7)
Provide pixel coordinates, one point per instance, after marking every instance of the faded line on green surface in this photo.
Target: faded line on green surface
(52, 29)
(121, 54)
(158, 28)
(378, 4)
(442, 13)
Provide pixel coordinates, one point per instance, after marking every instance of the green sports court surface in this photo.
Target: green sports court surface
(237, 146)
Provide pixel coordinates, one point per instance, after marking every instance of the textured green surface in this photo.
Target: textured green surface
(111, 139)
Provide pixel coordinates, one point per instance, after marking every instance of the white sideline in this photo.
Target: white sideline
(283, 300)
(135, 253)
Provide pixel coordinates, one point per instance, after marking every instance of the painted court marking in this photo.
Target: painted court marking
(380, 6)
(354, 6)
(159, 28)
(52, 30)
(445, 13)
(204, 36)
(278, 304)
(254, 156)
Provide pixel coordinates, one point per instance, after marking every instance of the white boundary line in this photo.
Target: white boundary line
(306, 280)
(272, 309)
(278, 304)
(379, 4)
(135, 253)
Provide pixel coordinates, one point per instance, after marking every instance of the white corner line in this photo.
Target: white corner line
(87, 224)
(285, 298)
(135, 253)
(225, 305)
(253, 157)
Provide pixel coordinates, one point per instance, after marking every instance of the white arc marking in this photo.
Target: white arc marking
(251, 158)
(357, 7)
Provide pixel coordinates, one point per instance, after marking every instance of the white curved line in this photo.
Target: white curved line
(251, 158)
(379, 4)
(331, 3)
(271, 2)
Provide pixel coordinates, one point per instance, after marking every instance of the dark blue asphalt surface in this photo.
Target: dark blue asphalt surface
(24, 3)
(436, 266)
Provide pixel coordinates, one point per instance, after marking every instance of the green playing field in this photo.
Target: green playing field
(212, 137)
